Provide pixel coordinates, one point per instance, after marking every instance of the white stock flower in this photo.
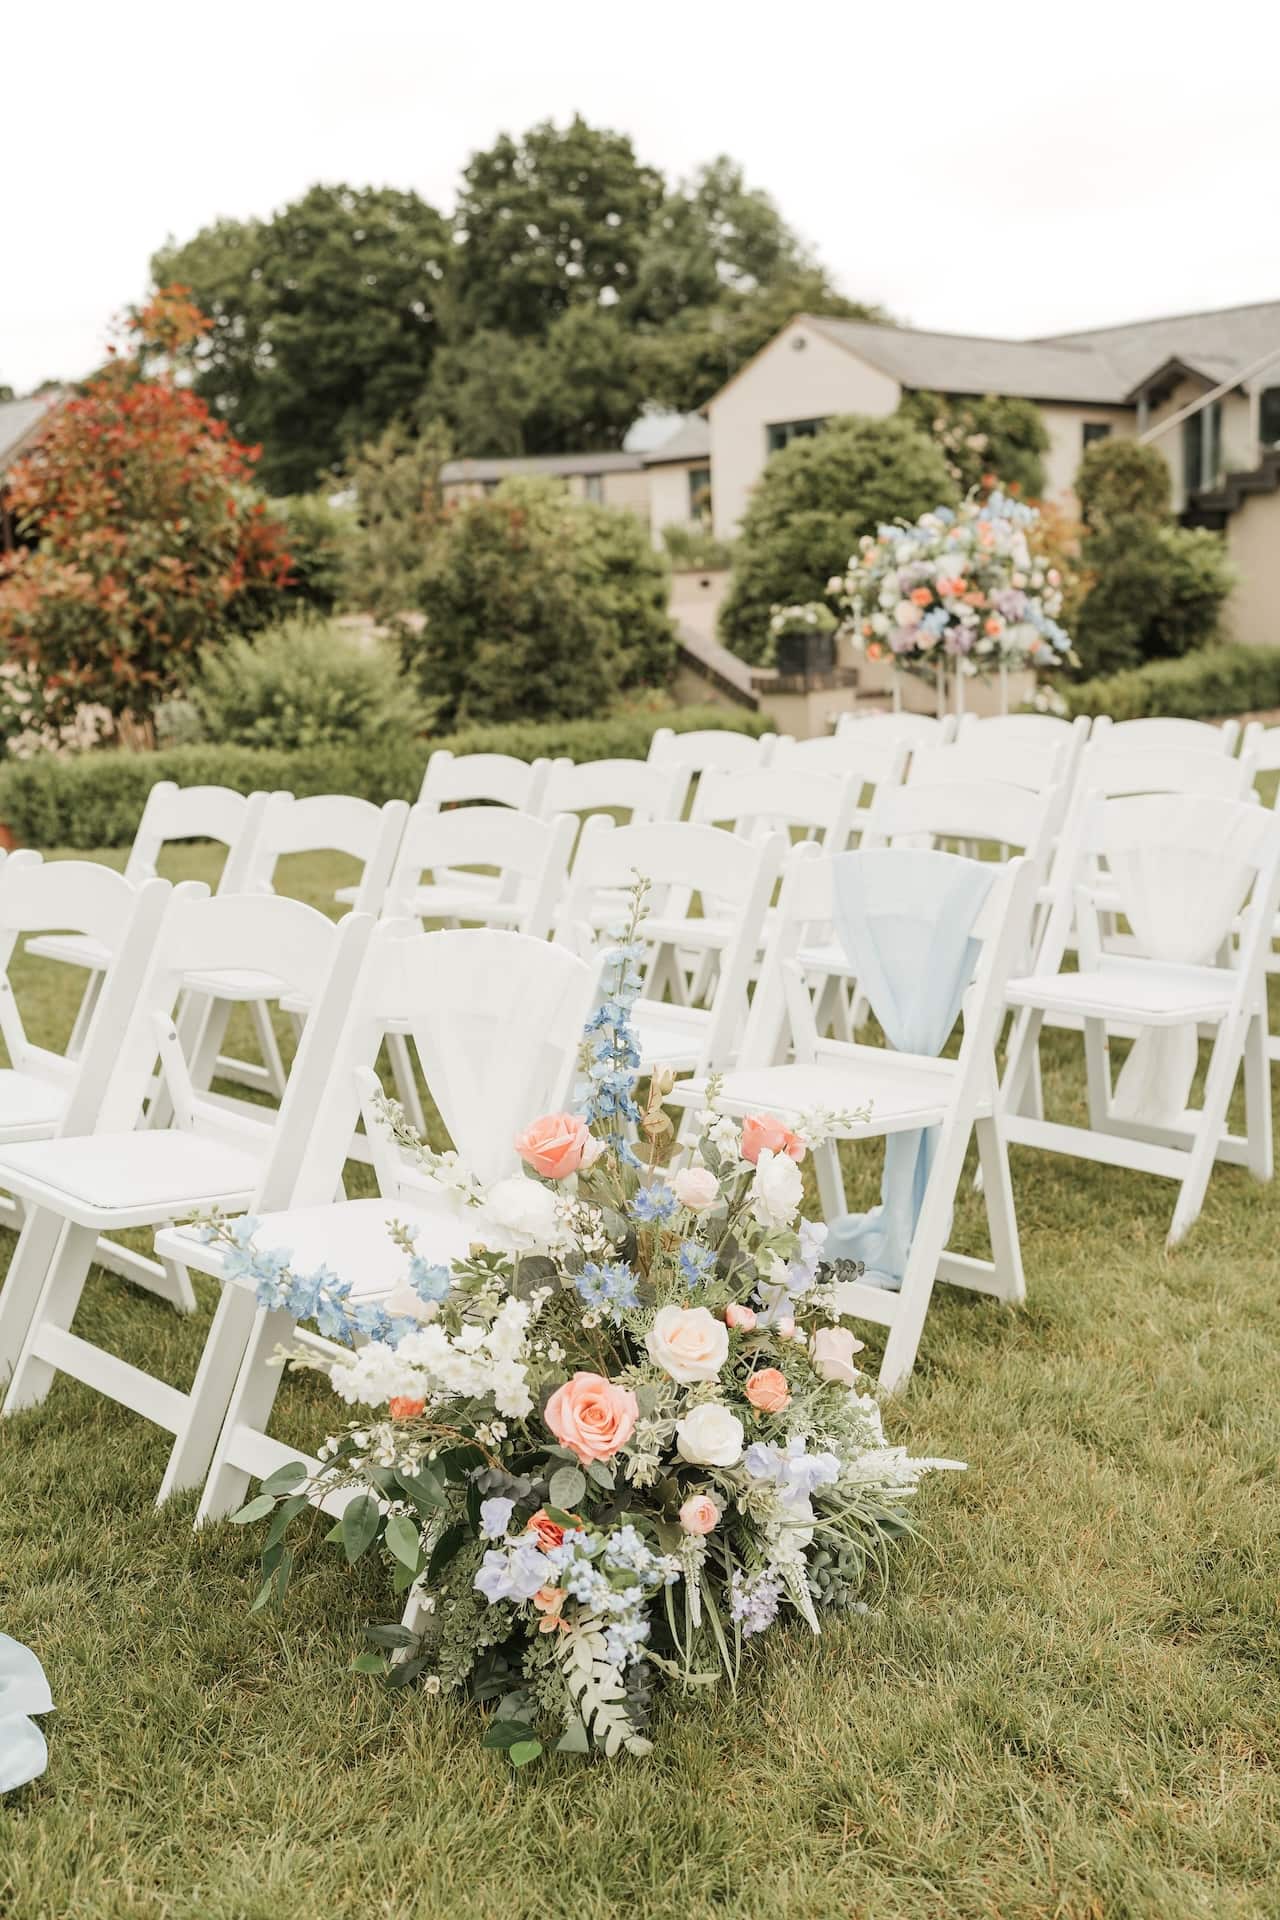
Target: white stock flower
(776, 1191)
(689, 1343)
(518, 1215)
(710, 1436)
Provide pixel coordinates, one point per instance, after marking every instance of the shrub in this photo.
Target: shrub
(1157, 592)
(811, 505)
(396, 479)
(95, 799)
(1216, 684)
(299, 685)
(996, 436)
(319, 538)
(1120, 481)
(537, 607)
(694, 550)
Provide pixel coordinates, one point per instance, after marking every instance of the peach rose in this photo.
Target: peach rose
(550, 1533)
(741, 1318)
(404, 1407)
(764, 1132)
(557, 1145)
(548, 1601)
(591, 1416)
(768, 1391)
(699, 1514)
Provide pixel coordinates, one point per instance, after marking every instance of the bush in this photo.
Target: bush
(1119, 481)
(1214, 685)
(300, 685)
(694, 550)
(319, 538)
(95, 799)
(396, 479)
(994, 436)
(812, 503)
(537, 607)
(1157, 592)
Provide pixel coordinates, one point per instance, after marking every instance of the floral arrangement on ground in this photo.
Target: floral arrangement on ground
(967, 587)
(621, 1438)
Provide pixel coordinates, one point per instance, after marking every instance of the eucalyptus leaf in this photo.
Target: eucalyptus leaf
(368, 1663)
(390, 1636)
(285, 1477)
(506, 1734)
(601, 1475)
(568, 1484)
(402, 1540)
(257, 1509)
(359, 1524)
(524, 1751)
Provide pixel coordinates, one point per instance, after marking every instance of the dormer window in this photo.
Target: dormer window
(1269, 416)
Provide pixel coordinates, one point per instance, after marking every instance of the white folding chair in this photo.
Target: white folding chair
(171, 813)
(118, 1176)
(786, 1066)
(709, 750)
(645, 790)
(878, 760)
(819, 805)
(528, 858)
(320, 823)
(915, 729)
(1180, 868)
(1260, 747)
(498, 1022)
(1044, 730)
(731, 877)
(1194, 736)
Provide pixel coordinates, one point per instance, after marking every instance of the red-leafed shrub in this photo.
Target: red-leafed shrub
(142, 539)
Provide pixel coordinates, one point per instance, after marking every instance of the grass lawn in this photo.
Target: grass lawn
(1067, 1705)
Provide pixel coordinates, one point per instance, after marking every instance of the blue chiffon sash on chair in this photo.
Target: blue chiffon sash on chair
(23, 1691)
(905, 917)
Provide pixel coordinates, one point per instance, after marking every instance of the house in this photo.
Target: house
(679, 473)
(610, 479)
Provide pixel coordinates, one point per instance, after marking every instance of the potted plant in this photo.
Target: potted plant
(804, 639)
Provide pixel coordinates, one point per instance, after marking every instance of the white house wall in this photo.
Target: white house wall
(1065, 426)
(668, 498)
(786, 381)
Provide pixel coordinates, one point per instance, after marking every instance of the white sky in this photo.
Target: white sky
(1005, 169)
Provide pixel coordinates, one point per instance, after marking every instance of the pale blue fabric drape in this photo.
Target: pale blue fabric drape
(23, 1691)
(905, 917)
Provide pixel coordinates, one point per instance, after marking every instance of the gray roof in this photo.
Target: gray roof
(963, 363)
(1219, 342)
(690, 441)
(562, 465)
(19, 420)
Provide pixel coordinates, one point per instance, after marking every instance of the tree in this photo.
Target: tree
(713, 236)
(1119, 480)
(586, 384)
(396, 480)
(812, 503)
(552, 220)
(144, 540)
(537, 607)
(325, 321)
(993, 437)
(480, 387)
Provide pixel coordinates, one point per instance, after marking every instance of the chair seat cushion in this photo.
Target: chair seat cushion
(1148, 991)
(130, 1179)
(29, 1106)
(77, 949)
(902, 1094)
(350, 1237)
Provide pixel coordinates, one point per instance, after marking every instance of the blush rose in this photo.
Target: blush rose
(591, 1416)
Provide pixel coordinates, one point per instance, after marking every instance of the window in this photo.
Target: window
(1269, 416)
(785, 431)
(1093, 431)
(1202, 448)
(593, 487)
(699, 493)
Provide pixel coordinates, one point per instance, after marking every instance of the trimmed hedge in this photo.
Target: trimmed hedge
(95, 799)
(1215, 684)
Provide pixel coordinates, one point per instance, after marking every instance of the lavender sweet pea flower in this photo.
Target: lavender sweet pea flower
(495, 1517)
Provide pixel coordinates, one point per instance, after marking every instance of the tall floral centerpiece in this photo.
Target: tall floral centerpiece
(961, 591)
(623, 1437)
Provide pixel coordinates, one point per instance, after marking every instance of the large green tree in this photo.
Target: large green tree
(325, 321)
(712, 237)
(555, 219)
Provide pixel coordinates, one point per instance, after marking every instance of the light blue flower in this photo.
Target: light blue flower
(431, 1283)
(655, 1202)
(495, 1517)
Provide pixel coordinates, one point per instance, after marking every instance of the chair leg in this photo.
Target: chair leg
(403, 1079)
(33, 1257)
(216, 1376)
(1224, 1064)
(84, 1015)
(1097, 1062)
(252, 1398)
(826, 1166)
(269, 1047)
(1002, 1218)
(1257, 1099)
(56, 1307)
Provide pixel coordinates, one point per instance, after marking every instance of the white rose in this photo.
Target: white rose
(696, 1188)
(517, 1215)
(689, 1343)
(776, 1191)
(710, 1436)
(832, 1351)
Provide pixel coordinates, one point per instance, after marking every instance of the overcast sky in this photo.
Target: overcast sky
(1003, 170)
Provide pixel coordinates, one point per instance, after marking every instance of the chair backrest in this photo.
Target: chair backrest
(316, 960)
(782, 1011)
(642, 789)
(969, 813)
(171, 812)
(1261, 745)
(331, 823)
(497, 778)
(1111, 770)
(758, 803)
(498, 1022)
(876, 758)
(1199, 736)
(917, 729)
(978, 762)
(118, 915)
(1030, 729)
(733, 877)
(531, 856)
(710, 749)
